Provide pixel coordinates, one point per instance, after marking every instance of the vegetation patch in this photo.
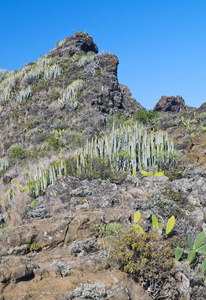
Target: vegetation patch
(148, 259)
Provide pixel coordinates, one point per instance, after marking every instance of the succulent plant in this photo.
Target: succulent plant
(128, 148)
(170, 224)
(196, 248)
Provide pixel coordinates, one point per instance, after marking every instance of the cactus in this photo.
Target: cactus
(69, 96)
(3, 164)
(43, 177)
(3, 74)
(128, 148)
(85, 59)
(52, 72)
(23, 94)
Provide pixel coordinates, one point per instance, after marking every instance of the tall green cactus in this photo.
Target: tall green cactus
(43, 177)
(133, 141)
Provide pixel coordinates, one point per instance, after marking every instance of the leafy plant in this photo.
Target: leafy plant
(178, 253)
(170, 224)
(138, 229)
(149, 174)
(108, 229)
(32, 205)
(23, 188)
(185, 122)
(195, 249)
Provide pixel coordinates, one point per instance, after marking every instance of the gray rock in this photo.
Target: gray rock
(81, 192)
(21, 250)
(96, 291)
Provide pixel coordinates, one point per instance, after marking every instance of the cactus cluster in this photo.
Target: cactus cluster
(3, 74)
(85, 59)
(3, 164)
(128, 148)
(69, 97)
(45, 67)
(43, 177)
(62, 42)
(52, 72)
(6, 85)
(35, 72)
(23, 94)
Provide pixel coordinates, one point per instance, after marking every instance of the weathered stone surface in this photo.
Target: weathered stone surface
(80, 41)
(171, 104)
(197, 150)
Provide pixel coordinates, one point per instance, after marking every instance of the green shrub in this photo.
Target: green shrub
(168, 160)
(95, 90)
(74, 140)
(17, 152)
(35, 248)
(108, 229)
(143, 116)
(118, 120)
(54, 143)
(54, 96)
(148, 259)
(174, 174)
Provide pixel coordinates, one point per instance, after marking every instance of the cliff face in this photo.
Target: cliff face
(74, 142)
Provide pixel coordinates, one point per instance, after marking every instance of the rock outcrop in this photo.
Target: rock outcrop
(79, 42)
(62, 240)
(171, 104)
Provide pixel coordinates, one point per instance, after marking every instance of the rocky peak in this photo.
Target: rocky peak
(78, 42)
(64, 191)
(170, 104)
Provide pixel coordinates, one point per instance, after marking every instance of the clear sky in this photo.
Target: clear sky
(161, 44)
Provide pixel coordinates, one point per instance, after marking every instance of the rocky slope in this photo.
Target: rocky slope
(68, 240)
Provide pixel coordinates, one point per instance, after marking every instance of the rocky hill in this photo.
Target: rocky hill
(79, 157)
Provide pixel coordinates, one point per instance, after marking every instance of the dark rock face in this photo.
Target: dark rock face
(170, 104)
(202, 108)
(80, 41)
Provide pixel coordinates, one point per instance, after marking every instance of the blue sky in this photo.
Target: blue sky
(161, 44)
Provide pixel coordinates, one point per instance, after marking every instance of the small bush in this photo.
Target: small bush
(54, 143)
(148, 259)
(17, 152)
(35, 248)
(74, 140)
(143, 116)
(7, 145)
(54, 96)
(108, 229)
(168, 160)
(118, 120)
